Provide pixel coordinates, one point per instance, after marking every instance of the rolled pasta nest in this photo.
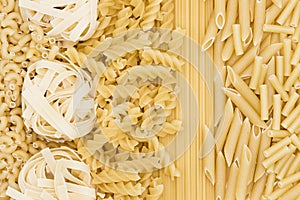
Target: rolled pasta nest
(54, 174)
(58, 100)
(72, 20)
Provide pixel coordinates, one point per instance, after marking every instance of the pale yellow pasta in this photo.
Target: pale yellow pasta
(264, 112)
(258, 188)
(220, 13)
(242, 63)
(276, 147)
(286, 11)
(278, 133)
(287, 47)
(291, 117)
(224, 126)
(243, 89)
(278, 3)
(254, 143)
(233, 137)
(220, 176)
(278, 29)
(237, 39)
(288, 180)
(294, 165)
(292, 193)
(264, 144)
(232, 181)
(228, 49)
(256, 72)
(282, 172)
(279, 68)
(276, 112)
(278, 87)
(243, 139)
(244, 18)
(278, 192)
(276, 156)
(243, 175)
(231, 15)
(244, 107)
(270, 183)
(210, 34)
(259, 20)
(296, 56)
(292, 78)
(209, 160)
(296, 15)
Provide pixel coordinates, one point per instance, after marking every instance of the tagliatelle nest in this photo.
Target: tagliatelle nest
(58, 100)
(54, 174)
(73, 20)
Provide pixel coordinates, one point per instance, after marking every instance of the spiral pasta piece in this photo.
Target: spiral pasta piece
(151, 13)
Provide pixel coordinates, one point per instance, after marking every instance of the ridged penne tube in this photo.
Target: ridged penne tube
(292, 78)
(276, 147)
(232, 181)
(244, 107)
(218, 49)
(244, 18)
(264, 107)
(243, 139)
(292, 193)
(276, 156)
(233, 136)
(291, 117)
(209, 160)
(259, 20)
(288, 180)
(269, 184)
(243, 175)
(296, 56)
(295, 141)
(243, 89)
(228, 49)
(264, 144)
(254, 143)
(278, 29)
(286, 11)
(256, 72)
(276, 112)
(231, 15)
(296, 16)
(262, 77)
(210, 34)
(279, 88)
(296, 36)
(258, 188)
(220, 13)
(295, 125)
(287, 48)
(282, 172)
(270, 51)
(220, 176)
(224, 126)
(278, 134)
(237, 39)
(242, 63)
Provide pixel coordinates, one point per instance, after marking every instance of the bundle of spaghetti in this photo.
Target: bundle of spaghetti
(73, 20)
(45, 84)
(257, 143)
(56, 173)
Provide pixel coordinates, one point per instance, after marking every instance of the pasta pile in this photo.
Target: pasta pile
(256, 49)
(58, 101)
(45, 52)
(54, 174)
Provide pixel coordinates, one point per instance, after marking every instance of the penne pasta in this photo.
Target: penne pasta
(244, 18)
(282, 172)
(288, 180)
(292, 193)
(244, 107)
(259, 20)
(228, 49)
(274, 11)
(278, 3)
(294, 165)
(279, 68)
(276, 156)
(243, 139)
(296, 56)
(232, 181)
(278, 133)
(231, 15)
(237, 39)
(279, 88)
(296, 16)
(233, 136)
(296, 36)
(220, 176)
(287, 48)
(264, 111)
(210, 34)
(209, 160)
(258, 188)
(256, 72)
(276, 112)
(269, 184)
(278, 192)
(286, 11)
(220, 13)
(242, 63)
(278, 29)
(276, 147)
(270, 51)
(262, 77)
(292, 78)
(243, 175)
(255, 140)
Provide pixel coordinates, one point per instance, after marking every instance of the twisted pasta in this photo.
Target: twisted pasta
(151, 13)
